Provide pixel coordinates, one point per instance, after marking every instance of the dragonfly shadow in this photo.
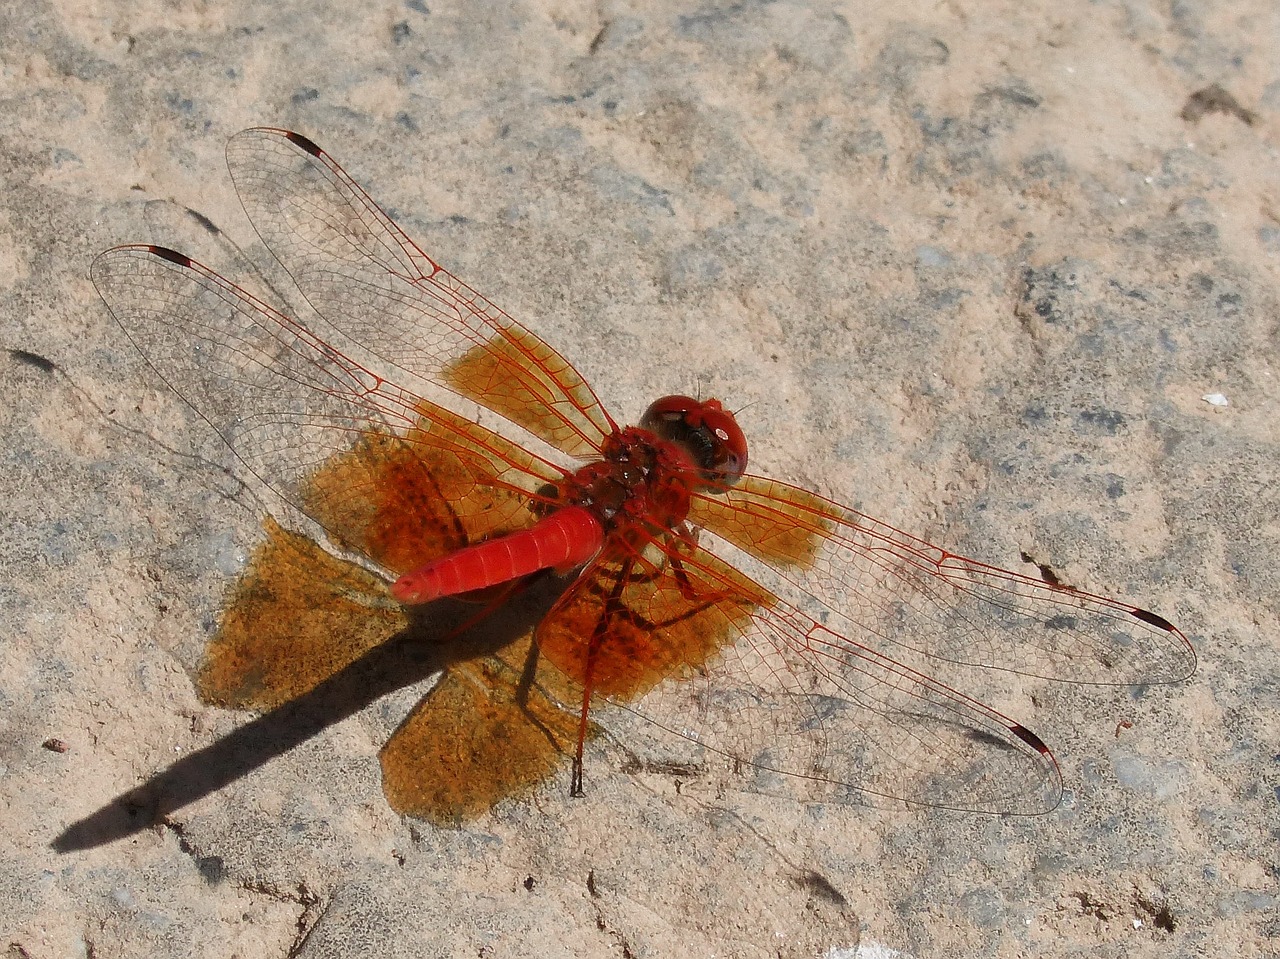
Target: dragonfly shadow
(408, 657)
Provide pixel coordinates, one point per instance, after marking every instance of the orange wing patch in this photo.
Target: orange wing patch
(446, 484)
(491, 729)
(297, 616)
(785, 530)
(520, 377)
(626, 626)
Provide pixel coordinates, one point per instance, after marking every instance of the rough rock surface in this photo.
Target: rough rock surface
(972, 268)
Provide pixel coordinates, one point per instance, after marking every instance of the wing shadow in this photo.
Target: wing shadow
(408, 657)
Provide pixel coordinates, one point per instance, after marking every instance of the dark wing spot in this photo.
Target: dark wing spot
(298, 140)
(171, 255)
(1159, 622)
(1030, 738)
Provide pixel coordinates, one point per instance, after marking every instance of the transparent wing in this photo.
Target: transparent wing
(371, 282)
(902, 596)
(380, 468)
(733, 681)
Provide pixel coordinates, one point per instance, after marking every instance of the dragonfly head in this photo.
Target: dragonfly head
(706, 431)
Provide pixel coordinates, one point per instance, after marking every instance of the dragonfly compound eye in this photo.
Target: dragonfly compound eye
(706, 430)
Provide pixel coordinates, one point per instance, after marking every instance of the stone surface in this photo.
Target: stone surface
(972, 268)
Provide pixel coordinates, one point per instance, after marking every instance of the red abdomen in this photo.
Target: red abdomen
(565, 539)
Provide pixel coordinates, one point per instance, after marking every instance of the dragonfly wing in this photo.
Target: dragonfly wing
(729, 676)
(373, 284)
(366, 459)
(488, 730)
(296, 617)
(907, 598)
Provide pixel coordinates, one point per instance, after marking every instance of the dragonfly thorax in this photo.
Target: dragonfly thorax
(640, 476)
(648, 473)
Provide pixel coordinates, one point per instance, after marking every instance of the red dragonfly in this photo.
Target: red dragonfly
(716, 618)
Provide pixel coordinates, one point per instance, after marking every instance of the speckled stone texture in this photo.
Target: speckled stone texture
(972, 268)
